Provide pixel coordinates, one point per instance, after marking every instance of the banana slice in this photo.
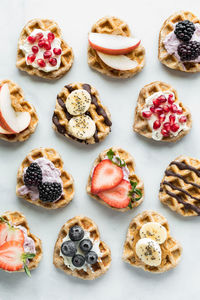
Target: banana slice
(154, 231)
(82, 127)
(149, 252)
(78, 102)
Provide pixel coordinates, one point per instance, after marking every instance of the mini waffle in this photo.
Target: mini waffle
(141, 124)
(61, 116)
(171, 249)
(124, 155)
(67, 54)
(113, 25)
(180, 186)
(55, 158)
(19, 104)
(17, 219)
(96, 270)
(170, 60)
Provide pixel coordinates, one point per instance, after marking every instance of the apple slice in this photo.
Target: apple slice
(112, 44)
(10, 120)
(118, 62)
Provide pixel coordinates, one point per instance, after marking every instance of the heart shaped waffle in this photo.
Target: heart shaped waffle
(67, 180)
(171, 249)
(61, 116)
(18, 219)
(141, 124)
(92, 271)
(171, 60)
(113, 25)
(67, 56)
(179, 189)
(128, 159)
(20, 104)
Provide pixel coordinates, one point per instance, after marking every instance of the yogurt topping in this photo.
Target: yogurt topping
(26, 47)
(29, 244)
(49, 174)
(68, 260)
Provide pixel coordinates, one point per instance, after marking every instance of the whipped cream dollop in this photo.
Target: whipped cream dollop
(49, 174)
(26, 47)
(171, 42)
(95, 248)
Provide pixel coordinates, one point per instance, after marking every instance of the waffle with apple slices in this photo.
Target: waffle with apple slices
(93, 271)
(67, 180)
(170, 249)
(115, 26)
(106, 182)
(141, 125)
(19, 104)
(13, 245)
(67, 56)
(98, 113)
(180, 186)
(170, 60)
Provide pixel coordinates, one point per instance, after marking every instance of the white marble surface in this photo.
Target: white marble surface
(145, 18)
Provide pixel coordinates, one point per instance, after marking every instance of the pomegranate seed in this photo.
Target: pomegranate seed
(162, 99)
(57, 51)
(47, 54)
(152, 109)
(173, 108)
(35, 49)
(174, 127)
(166, 108)
(165, 132)
(47, 45)
(172, 119)
(31, 58)
(41, 43)
(31, 39)
(183, 119)
(166, 126)
(41, 63)
(53, 61)
(156, 124)
(162, 118)
(158, 110)
(39, 36)
(51, 36)
(179, 111)
(146, 114)
(170, 99)
(156, 102)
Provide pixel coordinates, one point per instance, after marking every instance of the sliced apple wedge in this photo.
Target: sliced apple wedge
(10, 120)
(112, 44)
(118, 62)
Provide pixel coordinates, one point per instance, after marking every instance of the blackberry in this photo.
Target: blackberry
(184, 30)
(189, 51)
(33, 175)
(49, 191)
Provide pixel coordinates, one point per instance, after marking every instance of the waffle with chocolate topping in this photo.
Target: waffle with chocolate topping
(95, 270)
(128, 159)
(18, 219)
(67, 56)
(20, 104)
(170, 60)
(99, 114)
(171, 249)
(55, 158)
(113, 25)
(180, 187)
(141, 124)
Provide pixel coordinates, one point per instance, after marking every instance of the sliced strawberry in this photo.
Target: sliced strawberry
(118, 196)
(11, 256)
(3, 233)
(106, 176)
(8, 233)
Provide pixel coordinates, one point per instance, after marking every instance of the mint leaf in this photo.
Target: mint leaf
(26, 256)
(133, 192)
(120, 163)
(110, 154)
(27, 271)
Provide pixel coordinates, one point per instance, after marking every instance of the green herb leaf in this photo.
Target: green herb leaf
(133, 192)
(26, 256)
(110, 154)
(26, 269)
(120, 163)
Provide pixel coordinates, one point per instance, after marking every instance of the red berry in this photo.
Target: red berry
(162, 118)
(146, 114)
(47, 45)
(39, 36)
(51, 36)
(47, 54)
(156, 124)
(166, 108)
(166, 126)
(174, 127)
(41, 43)
(152, 109)
(156, 102)
(172, 119)
(53, 61)
(158, 110)
(165, 132)
(35, 49)
(31, 39)
(31, 58)
(162, 99)
(179, 111)
(41, 63)
(173, 108)
(57, 51)
(183, 119)
(170, 99)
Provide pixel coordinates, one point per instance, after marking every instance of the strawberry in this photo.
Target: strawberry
(118, 196)
(11, 256)
(106, 176)
(9, 233)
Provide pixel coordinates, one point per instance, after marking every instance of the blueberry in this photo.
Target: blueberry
(78, 260)
(85, 245)
(91, 257)
(76, 233)
(68, 248)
